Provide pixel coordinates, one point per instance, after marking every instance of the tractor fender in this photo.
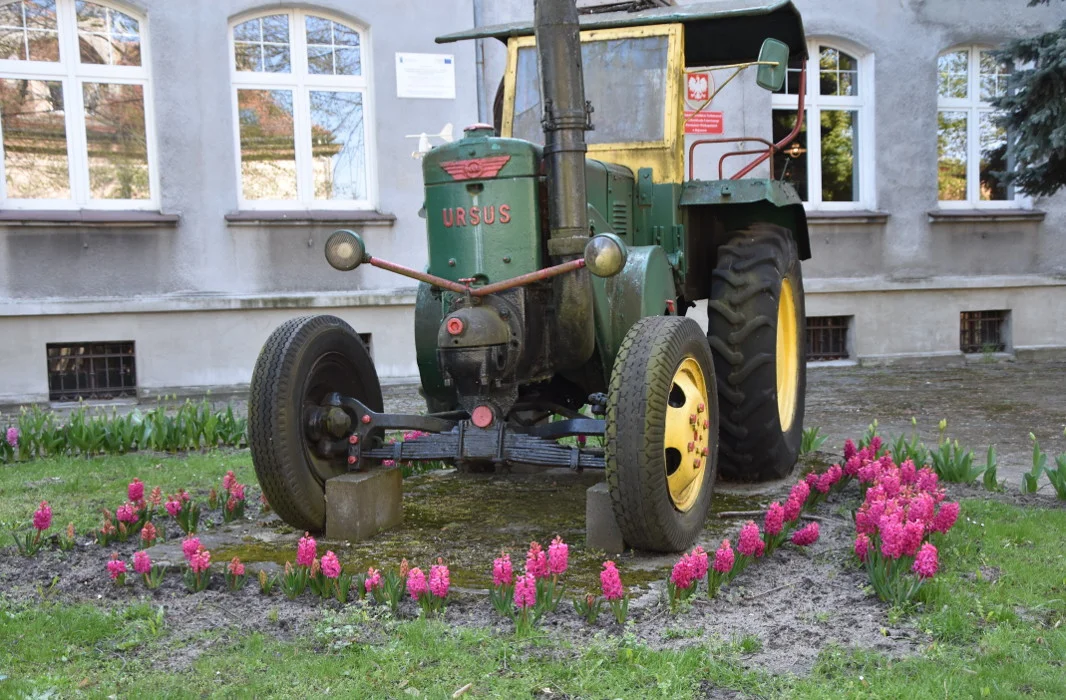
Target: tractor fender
(644, 287)
(739, 203)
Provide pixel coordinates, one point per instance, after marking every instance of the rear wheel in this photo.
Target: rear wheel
(662, 433)
(304, 360)
(756, 327)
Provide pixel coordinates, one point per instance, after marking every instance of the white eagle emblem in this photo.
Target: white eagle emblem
(697, 87)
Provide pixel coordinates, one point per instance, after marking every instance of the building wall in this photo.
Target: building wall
(199, 297)
(151, 284)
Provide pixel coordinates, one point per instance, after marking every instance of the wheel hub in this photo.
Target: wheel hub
(686, 435)
(787, 356)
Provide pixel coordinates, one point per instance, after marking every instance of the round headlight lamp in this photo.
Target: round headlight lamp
(605, 255)
(345, 250)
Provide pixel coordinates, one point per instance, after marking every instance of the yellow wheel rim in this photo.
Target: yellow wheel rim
(787, 356)
(687, 434)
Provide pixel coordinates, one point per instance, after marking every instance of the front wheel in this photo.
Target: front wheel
(756, 326)
(304, 360)
(662, 433)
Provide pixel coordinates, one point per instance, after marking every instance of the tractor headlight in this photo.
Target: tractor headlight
(605, 255)
(345, 250)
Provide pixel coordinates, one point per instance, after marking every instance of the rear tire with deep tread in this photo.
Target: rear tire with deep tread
(301, 362)
(642, 384)
(742, 330)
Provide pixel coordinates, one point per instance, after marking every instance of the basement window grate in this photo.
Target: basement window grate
(91, 370)
(983, 331)
(827, 338)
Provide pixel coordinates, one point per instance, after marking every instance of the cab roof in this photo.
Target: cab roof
(716, 33)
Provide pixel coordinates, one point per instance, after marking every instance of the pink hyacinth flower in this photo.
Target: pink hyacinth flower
(928, 481)
(913, 533)
(892, 542)
(235, 567)
(558, 554)
(683, 575)
(148, 534)
(611, 582)
(135, 491)
(502, 571)
(416, 583)
(700, 563)
(852, 466)
(921, 508)
(945, 517)
(525, 591)
(142, 563)
(237, 492)
(373, 579)
(13, 437)
(875, 444)
(800, 491)
(926, 562)
(724, 558)
(331, 566)
(792, 509)
(189, 547)
(42, 517)
(862, 547)
(811, 480)
(439, 580)
(228, 481)
(536, 561)
(116, 567)
(200, 561)
(173, 507)
(775, 519)
(126, 513)
(749, 543)
(306, 550)
(805, 536)
(849, 449)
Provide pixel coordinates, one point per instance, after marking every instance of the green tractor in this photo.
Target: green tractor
(565, 246)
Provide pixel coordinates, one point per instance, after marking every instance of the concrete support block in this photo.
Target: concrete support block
(361, 504)
(601, 528)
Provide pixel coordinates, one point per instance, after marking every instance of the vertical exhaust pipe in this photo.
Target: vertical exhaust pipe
(566, 118)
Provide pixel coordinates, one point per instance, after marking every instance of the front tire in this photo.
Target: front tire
(303, 361)
(662, 434)
(757, 328)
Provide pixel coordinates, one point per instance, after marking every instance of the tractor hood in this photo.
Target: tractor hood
(480, 156)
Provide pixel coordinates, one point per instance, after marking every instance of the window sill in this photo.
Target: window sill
(828, 217)
(87, 218)
(982, 216)
(310, 218)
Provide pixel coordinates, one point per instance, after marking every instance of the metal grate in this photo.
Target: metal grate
(983, 331)
(100, 370)
(827, 338)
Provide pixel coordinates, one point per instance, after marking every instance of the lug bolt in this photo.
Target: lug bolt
(706, 424)
(351, 460)
(366, 419)
(701, 408)
(692, 419)
(691, 446)
(704, 451)
(354, 440)
(696, 463)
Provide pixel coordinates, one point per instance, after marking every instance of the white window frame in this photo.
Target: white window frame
(863, 104)
(301, 82)
(74, 74)
(973, 106)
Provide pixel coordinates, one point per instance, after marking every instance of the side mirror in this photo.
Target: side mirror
(772, 77)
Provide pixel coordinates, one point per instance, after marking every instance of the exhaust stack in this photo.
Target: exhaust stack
(566, 118)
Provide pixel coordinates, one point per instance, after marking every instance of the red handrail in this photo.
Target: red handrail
(771, 147)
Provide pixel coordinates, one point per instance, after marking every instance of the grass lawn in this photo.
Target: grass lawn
(995, 617)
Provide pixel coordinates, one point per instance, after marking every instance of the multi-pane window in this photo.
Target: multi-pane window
(971, 147)
(829, 162)
(74, 106)
(300, 84)
(827, 338)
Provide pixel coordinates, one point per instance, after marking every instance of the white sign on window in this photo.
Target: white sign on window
(425, 75)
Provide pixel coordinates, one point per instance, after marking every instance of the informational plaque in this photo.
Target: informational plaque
(428, 76)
